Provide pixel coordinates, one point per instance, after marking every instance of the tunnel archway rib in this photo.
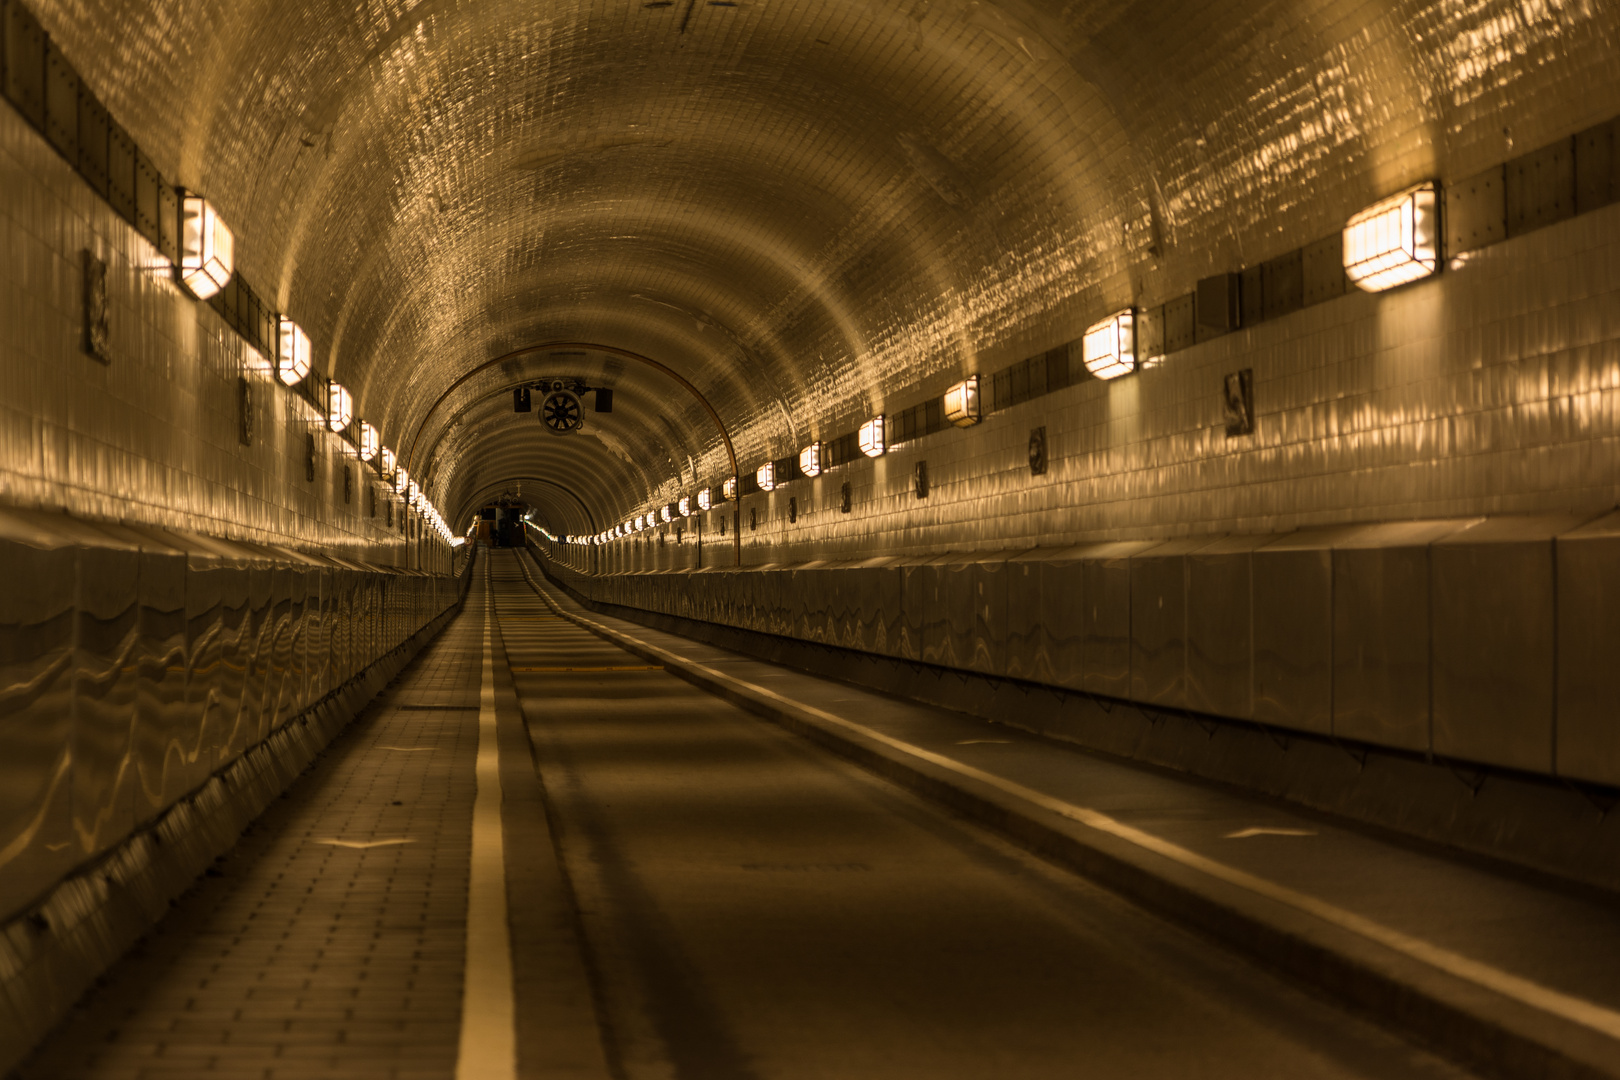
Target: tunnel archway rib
(640, 437)
(494, 456)
(623, 354)
(479, 496)
(545, 501)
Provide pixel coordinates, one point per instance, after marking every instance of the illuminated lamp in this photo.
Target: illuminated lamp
(207, 249)
(1109, 347)
(684, 506)
(810, 460)
(387, 468)
(766, 476)
(638, 522)
(339, 406)
(415, 496)
(872, 432)
(665, 514)
(729, 488)
(962, 402)
(402, 481)
(705, 498)
(368, 442)
(292, 352)
(1394, 241)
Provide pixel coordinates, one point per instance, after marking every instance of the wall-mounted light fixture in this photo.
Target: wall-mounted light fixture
(665, 513)
(810, 460)
(705, 498)
(368, 442)
(339, 406)
(873, 442)
(1109, 347)
(684, 506)
(402, 481)
(962, 402)
(387, 463)
(766, 476)
(729, 488)
(292, 352)
(207, 248)
(415, 494)
(1394, 241)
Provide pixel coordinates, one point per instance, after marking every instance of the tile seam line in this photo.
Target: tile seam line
(487, 1049)
(1517, 988)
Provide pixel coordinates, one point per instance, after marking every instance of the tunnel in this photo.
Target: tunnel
(755, 539)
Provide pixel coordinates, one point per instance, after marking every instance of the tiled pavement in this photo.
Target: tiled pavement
(330, 942)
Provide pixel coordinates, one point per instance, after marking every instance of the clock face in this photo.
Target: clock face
(561, 412)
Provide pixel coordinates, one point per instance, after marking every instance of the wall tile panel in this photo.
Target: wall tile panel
(1494, 641)
(1588, 625)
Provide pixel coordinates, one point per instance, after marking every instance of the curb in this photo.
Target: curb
(1464, 1019)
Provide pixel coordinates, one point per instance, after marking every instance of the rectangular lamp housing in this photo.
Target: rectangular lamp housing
(766, 476)
(292, 352)
(810, 460)
(1394, 241)
(1109, 347)
(962, 402)
(872, 437)
(207, 248)
(339, 406)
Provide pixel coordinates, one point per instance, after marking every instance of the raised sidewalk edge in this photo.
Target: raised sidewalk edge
(1490, 1032)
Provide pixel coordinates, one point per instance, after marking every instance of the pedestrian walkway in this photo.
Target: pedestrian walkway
(330, 941)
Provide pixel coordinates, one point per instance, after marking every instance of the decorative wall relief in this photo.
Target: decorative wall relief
(95, 307)
(1238, 398)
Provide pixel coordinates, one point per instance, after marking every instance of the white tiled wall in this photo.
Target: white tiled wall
(152, 437)
(1493, 388)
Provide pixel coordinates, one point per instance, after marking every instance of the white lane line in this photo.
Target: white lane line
(1525, 991)
(366, 845)
(1264, 830)
(488, 1042)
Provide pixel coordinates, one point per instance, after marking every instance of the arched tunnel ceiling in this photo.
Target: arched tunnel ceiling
(813, 210)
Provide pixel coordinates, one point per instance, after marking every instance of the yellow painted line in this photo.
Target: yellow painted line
(488, 1049)
(626, 667)
(1525, 991)
(364, 845)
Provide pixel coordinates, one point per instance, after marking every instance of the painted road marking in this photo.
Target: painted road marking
(641, 667)
(364, 845)
(488, 1039)
(1260, 830)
